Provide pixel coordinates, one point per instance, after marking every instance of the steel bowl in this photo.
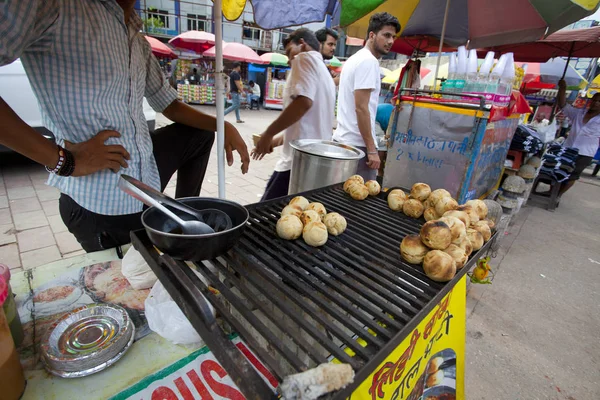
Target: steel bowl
(87, 340)
(161, 231)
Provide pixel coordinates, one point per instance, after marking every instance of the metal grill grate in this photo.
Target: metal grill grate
(297, 306)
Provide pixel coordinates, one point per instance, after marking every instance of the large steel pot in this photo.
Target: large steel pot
(319, 163)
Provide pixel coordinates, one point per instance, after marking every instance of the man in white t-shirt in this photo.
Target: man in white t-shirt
(309, 101)
(358, 96)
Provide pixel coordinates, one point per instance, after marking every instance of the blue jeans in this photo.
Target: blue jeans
(235, 100)
(252, 97)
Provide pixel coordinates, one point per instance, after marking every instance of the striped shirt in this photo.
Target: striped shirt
(90, 72)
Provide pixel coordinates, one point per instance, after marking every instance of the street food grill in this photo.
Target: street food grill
(353, 300)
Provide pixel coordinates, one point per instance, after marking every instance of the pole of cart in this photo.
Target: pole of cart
(437, 66)
(220, 96)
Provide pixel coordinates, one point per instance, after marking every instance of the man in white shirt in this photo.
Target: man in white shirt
(255, 92)
(360, 84)
(584, 134)
(309, 101)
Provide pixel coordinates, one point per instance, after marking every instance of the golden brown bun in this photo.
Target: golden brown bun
(289, 227)
(463, 216)
(483, 228)
(434, 364)
(299, 201)
(352, 179)
(412, 249)
(358, 191)
(458, 254)
(413, 208)
(456, 226)
(335, 223)
(439, 266)
(473, 216)
(310, 216)
(319, 208)
(420, 191)
(429, 214)
(479, 206)
(490, 223)
(435, 379)
(292, 209)
(374, 187)
(436, 235)
(438, 194)
(396, 200)
(315, 234)
(465, 244)
(445, 204)
(358, 178)
(475, 238)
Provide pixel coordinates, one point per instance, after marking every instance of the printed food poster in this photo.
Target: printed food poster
(429, 364)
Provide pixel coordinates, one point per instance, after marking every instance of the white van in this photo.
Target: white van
(16, 91)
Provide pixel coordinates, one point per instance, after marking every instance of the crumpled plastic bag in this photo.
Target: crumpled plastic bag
(166, 318)
(137, 272)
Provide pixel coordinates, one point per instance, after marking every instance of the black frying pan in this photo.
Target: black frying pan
(163, 231)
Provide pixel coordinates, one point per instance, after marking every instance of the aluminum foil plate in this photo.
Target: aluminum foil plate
(87, 340)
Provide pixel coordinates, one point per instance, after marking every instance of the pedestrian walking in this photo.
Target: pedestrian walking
(236, 89)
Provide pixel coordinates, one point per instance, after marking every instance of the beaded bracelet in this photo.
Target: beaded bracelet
(65, 165)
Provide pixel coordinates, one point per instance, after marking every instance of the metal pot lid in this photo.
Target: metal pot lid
(327, 149)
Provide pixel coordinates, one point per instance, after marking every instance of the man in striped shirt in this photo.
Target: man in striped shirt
(90, 68)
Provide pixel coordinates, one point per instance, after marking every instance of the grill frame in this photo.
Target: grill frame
(296, 272)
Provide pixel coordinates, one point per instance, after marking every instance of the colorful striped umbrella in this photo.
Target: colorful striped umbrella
(196, 41)
(551, 72)
(483, 23)
(393, 76)
(275, 59)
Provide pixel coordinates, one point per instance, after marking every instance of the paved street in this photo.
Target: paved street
(532, 334)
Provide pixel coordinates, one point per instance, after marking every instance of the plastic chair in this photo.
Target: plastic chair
(553, 200)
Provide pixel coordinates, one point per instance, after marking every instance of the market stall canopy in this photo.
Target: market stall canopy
(594, 87)
(236, 52)
(394, 75)
(334, 62)
(274, 15)
(160, 49)
(420, 43)
(484, 23)
(384, 71)
(551, 72)
(429, 79)
(353, 41)
(275, 59)
(565, 43)
(196, 41)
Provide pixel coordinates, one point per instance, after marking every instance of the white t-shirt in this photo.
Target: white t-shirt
(361, 71)
(256, 90)
(309, 78)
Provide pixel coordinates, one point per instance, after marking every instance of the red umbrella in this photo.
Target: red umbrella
(237, 52)
(159, 48)
(427, 44)
(565, 43)
(197, 41)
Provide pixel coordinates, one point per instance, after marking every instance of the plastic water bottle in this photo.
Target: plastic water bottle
(461, 70)
(507, 79)
(483, 77)
(449, 85)
(494, 82)
(471, 83)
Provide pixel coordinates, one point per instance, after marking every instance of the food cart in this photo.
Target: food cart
(274, 87)
(456, 145)
(201, 92)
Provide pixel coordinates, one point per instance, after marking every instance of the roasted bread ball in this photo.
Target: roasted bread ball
(438, 194)
(462, 215)
(413, 208)
(475, 238)
(291, 210)
(456, 226)
(396, 199)
(458, 254)
(358, 191)
(445, 204)
(465, 244)
(300, 201)
(309, 216)
(483, 228)
(435, 379)
(430, 214)
(434, 364)
(490, 223)
(412, 249)
(473, 216)
(358, 178)
(289, 227)
(436, 235)
(374, 187)
(335, 223)
(319, 208)
(315, 234)
(420, 191)
(439, 266)
(353, 178)
(480, 208)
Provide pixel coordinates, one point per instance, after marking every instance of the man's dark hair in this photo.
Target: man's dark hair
(251, 83)
(379, 20)
(195, 70)
(322, 33)
(302, 33)
(236, 64)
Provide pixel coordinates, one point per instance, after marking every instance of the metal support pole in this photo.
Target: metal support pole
(218, 21)
(437, 66)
